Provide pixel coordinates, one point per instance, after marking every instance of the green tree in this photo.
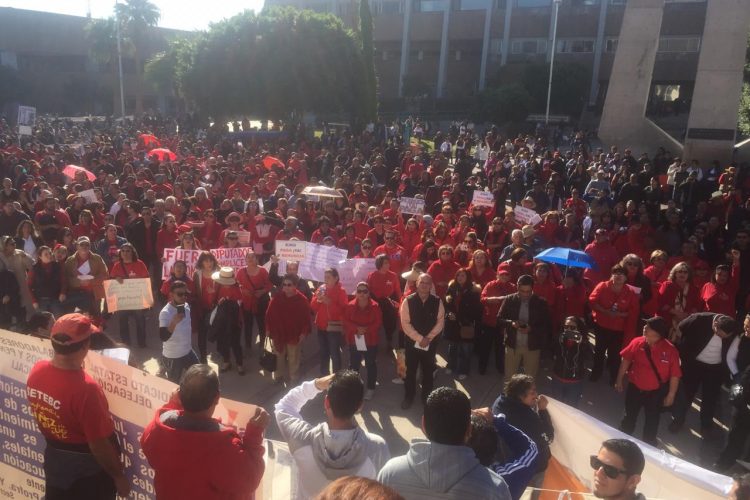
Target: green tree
(365, 32)
(570, 85)
(744, 115)
(274, 65)
(101, 35)
(137, 19)
(506, 104)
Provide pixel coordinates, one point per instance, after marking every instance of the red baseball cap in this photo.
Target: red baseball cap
(76, 326)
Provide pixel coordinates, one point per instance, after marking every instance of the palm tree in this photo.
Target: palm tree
(137, 18)
(102, 37)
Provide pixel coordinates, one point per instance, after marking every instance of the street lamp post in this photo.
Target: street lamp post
(119, 62)
(552, 57)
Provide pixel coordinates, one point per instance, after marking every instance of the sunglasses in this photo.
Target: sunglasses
(363, 291)
(610, 470)
(366, 247)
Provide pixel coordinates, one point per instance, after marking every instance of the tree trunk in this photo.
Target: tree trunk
(138, 86)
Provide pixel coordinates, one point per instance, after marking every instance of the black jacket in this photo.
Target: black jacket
(540, 320)
(571, 356)
(696, 331)
(536, 425)
(465, 304)
(137, 234)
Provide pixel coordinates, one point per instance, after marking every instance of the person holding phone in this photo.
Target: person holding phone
(175, 329)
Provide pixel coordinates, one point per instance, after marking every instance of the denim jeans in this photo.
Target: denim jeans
(140, 326)
(569, 393)
(370, 357)
(330, 350)
(51, 305)
(459, 356)
(173, 367)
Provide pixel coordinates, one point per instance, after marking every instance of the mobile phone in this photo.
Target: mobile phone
(181, 309)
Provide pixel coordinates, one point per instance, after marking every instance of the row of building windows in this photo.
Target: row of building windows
(667, 44)
(397, 6)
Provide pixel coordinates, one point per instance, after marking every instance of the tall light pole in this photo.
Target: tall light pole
(552, 57)
(119, 62)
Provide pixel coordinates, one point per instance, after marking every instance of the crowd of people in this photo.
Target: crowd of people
(661, 307)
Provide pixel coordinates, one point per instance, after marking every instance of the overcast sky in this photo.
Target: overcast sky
(178, 14)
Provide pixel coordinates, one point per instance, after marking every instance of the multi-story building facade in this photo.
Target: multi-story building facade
(456, 47)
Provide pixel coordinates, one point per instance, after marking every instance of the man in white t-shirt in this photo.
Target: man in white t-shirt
(175, 330)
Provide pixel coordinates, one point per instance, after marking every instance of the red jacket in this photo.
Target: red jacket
(721, 298)
(495, 288)
(668, 294)
(652, 273)
(288, 319)
(571, 302)
(442, 274)
(261, 282)
(166, 239)
(135, 269)
(219, 465)
(333, 311)
(605, 256)
(370, 317)
(627, 302)
(397, 256)
(384, 285)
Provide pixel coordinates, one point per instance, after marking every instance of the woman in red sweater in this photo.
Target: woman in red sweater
(129, 266)
(443, 270)
(205, 298)
(385, 289)
(328, 304)
(719, 294)
(362, 321)
(86, 226)
(480, 268)
(615, 309)
(167, 236)
(255, 284)
(545, 286)
(678, 296)
(287, 320)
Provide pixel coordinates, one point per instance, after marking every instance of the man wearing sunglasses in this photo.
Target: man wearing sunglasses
(175, 330)
(617, 470)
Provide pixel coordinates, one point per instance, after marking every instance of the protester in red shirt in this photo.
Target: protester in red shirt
(210, 232)
(657, 272)
(129, 266)
(385, 289)
(377, 233)
(287, 321)
(397, 256)
(167, 236)
(572, 297)
(226, 325)
(82, 457)
(480, 268)
(205, 298)
(410, 235)
(443, 270)
(197, 456)
(604, 255)
(719, 294)
(652, 364)
(362, 320)
(544, 286)
(490, 337)
(615, 309)
(678, 296)
(328, 304)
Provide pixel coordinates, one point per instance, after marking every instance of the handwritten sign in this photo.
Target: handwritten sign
(526, 216)
(172, 255)
(412, 205)
(231, 257)
(294, 251)
(89, 195)
(352, 271)
(483, 199)
(244, 238)
(133, 294)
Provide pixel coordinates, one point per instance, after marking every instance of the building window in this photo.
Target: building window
(672, 44)
(390, 6)
(496, 46)
(532, 46)
(575, 46)
(610, 45)
(432, 5)
(474, 4)
(458, 55)
(533, 3)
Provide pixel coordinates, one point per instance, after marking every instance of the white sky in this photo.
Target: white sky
(178, 14)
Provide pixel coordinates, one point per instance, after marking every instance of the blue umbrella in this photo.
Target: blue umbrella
(567, 257)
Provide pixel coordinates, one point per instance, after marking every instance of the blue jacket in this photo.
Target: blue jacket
(521, 466)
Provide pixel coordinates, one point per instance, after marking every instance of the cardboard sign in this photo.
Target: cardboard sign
(133, 294)
(172, 255)
(89, 195)
(526, 215)
(483, 199)
(291, 251)
(231, 257)
(244, 237)
(412, 205)
(352, 271)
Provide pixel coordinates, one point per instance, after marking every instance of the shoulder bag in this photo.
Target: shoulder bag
(268, 358)
(663, 389)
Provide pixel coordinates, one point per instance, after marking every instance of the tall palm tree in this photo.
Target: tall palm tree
(137, 18)
(102, 37)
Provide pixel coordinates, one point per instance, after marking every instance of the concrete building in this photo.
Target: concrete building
(51, 53)
(455, 47)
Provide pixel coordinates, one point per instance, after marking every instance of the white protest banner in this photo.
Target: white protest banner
(244, 238)
(288, 250)
(352, 271)
(412, 205)
(231, 257)
(318, 258)
(483, 199)
(89, 195)
(579, 435)
(172, 255)
(133, 396)
(26, 119)
(526, 215)
(133, 294)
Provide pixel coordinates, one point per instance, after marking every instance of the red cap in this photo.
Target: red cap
(446, 193)
(184, 228)
(76, 326)
(503, 268)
